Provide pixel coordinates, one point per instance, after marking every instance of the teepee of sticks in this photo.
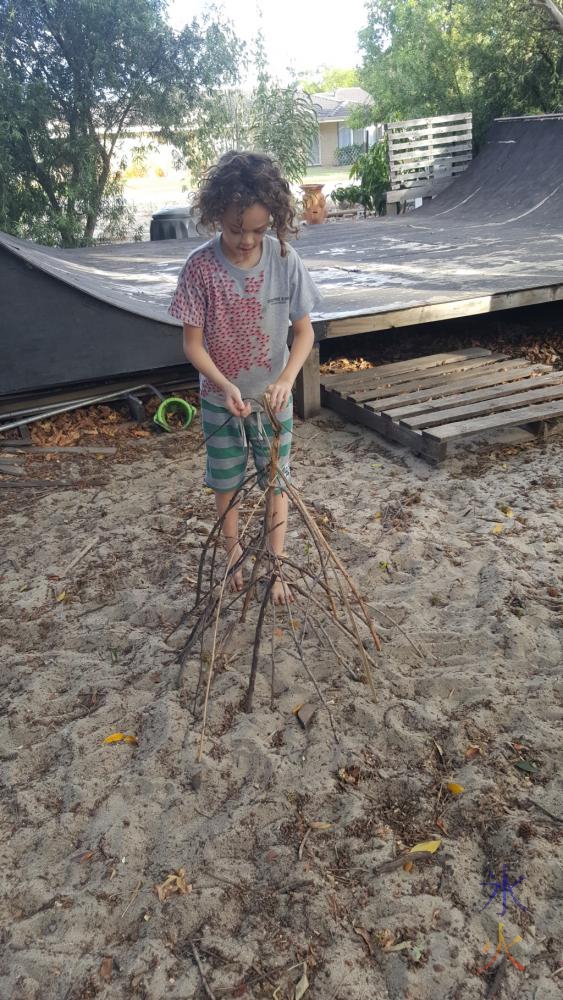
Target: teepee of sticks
(322, 589)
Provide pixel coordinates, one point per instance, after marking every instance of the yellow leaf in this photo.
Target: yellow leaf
(121, 738)
(321, 826)
(506, 510)
(377, 515)
(498, 528)
(427, 845)
(454, 788)
(61, 596)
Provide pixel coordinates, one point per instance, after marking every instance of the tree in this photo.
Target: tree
(435, 57)
(275, 119)
(331, 79)
(555, 12)
(283, 122)
(75, 76)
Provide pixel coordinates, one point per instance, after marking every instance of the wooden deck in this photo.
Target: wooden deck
(429, 402)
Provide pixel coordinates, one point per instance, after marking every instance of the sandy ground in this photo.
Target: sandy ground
(88, 829)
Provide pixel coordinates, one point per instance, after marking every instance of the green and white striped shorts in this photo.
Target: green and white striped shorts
(228, 446)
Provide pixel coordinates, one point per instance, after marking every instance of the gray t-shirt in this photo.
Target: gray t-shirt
(245, 313)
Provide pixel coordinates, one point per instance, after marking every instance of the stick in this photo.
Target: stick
(300, 652)
(211, 666)
(384, 614)
(256, 651)
(133, 897)
(273, 659)
(208, 991)
(74, 562)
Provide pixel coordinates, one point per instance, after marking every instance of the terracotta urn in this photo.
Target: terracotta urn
(314, 203)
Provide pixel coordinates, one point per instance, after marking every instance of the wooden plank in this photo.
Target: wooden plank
(397, 367)
(410, 382)
(434, 451)
(432, 150)
(432, 168)
(470, 389)
(63, 449)
(307, 392)
(485, 406)
(431, 188)
(439, 130)
(434, 311)
(409, 122)
(525, 415)
(408, 181)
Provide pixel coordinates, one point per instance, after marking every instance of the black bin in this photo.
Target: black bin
(173, 224)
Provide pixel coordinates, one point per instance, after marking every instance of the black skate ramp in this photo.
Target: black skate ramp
(492, 240)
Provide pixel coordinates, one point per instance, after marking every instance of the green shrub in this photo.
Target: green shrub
(372, 170)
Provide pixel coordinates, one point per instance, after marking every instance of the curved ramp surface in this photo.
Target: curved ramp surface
(492, 240)
(517, 176)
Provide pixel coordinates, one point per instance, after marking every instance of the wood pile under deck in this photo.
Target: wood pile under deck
(428, 402)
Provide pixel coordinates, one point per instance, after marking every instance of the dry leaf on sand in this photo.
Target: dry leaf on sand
(302, 985)
(173, 883)
(361, 931)
(106, 968)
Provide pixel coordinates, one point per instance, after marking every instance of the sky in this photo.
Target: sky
(301, 34)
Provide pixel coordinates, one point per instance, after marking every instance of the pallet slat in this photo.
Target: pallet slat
(420, 152)
(397, 367)
(485, 406)
(409, 382)
(463, 126)
(524, 415)
(465, 390)
(410, 122)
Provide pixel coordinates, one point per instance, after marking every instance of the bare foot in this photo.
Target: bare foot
(236, 581)
(281, 593)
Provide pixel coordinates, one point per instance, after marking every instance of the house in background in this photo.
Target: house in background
(335, 141)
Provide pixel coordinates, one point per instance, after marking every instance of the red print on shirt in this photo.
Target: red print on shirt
(209, 297)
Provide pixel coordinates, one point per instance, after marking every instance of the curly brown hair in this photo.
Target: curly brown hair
(241, 180)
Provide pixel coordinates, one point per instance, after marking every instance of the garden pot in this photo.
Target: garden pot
(314, 203)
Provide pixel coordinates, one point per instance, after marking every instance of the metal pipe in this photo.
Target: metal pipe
(74, 406)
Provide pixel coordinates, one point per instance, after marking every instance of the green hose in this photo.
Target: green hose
(174, 404)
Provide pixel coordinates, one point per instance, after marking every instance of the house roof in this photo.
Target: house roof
(337, 105)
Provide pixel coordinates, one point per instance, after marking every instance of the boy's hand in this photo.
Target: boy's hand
(279, 393)
(235, 403)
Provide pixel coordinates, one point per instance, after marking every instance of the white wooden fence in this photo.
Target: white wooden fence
(426, 153)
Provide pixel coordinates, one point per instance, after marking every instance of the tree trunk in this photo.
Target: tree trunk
(94, 211)
(555, 12)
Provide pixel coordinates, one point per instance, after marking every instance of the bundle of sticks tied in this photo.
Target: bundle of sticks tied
(326, 598)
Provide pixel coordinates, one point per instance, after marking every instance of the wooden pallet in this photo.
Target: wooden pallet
(428, 402)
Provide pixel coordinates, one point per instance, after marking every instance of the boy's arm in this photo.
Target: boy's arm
(197, 356)
(303, 340)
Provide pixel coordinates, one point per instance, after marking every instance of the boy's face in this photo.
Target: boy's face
(242, 235)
